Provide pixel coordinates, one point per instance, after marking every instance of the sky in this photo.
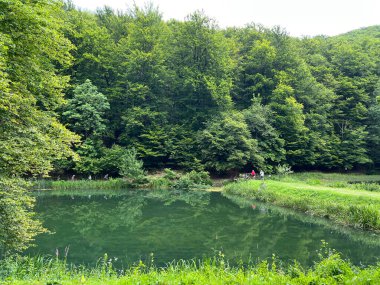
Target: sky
(298, 17)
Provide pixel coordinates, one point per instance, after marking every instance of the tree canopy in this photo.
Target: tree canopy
(173, 90)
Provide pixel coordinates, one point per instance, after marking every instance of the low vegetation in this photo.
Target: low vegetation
(111, 184)
(326, 178)
(355, 181)
(357, 208)
(175, 180)
(168, 179)
(330, 269)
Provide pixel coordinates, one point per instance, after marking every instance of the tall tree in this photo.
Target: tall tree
(226, 144)
(202, 61)
(259, 119)
(31, 137)
(85, 112)
(32, 46)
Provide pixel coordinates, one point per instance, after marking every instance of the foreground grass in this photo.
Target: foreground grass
(330, 269)
(357, 208)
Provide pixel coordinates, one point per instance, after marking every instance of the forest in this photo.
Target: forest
(79, 89)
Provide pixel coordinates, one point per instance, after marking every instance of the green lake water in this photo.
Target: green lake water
(131, 225)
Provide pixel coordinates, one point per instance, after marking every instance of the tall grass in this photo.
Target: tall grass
(113, 184)
(359, 209)
(365, 186)
(170, 180)
(330, 269)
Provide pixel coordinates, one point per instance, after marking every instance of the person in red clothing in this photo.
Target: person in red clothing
(253, 173)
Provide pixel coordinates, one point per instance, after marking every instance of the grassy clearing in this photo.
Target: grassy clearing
(330, 269)
(354, 181)
(332, 177)
(358, 208)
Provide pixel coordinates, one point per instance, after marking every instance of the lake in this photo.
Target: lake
(169, 225)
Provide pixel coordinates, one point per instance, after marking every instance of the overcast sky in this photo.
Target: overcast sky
(298, 17)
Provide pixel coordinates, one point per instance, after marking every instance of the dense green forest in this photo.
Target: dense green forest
(79, 89)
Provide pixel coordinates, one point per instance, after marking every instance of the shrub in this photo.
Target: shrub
(283, 169)
(131, 168)
(188, 181)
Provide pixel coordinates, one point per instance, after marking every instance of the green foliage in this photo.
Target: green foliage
(110, 184)
(202, 62)
(226, 144)
(32, 46)
(283, 169)
(31, 137)
(259, 119)
(170, 174)
(178, 181)
(167, 83)
(366, 186)
(373, 122)
(89, 157)
(192, 180)
(174, 89)
(131, 168)
(111, 160)
(330, 269)
(18, 225)
(85, 111)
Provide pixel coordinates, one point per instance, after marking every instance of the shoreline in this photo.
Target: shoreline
(354, 208)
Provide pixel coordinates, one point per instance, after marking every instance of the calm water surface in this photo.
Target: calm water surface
(130, 225)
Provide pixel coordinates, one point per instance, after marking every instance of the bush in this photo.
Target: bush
(188, 181)
(366, 217)
(193, 180)
(131, 168)
(283, 169)
(170, 174)
(200, 177)
(159, 183)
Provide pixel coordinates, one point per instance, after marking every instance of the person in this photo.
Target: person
(106, 177)
(253, 173)
(261, 174)
(89, 177)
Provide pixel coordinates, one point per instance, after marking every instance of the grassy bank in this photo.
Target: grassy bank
(166, 179)
(356, 235)
(330, 269)
(357, 208)
(112, 184)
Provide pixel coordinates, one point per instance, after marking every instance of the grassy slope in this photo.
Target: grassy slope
(356, 208)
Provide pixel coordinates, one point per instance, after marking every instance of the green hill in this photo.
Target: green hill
(372, 32)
